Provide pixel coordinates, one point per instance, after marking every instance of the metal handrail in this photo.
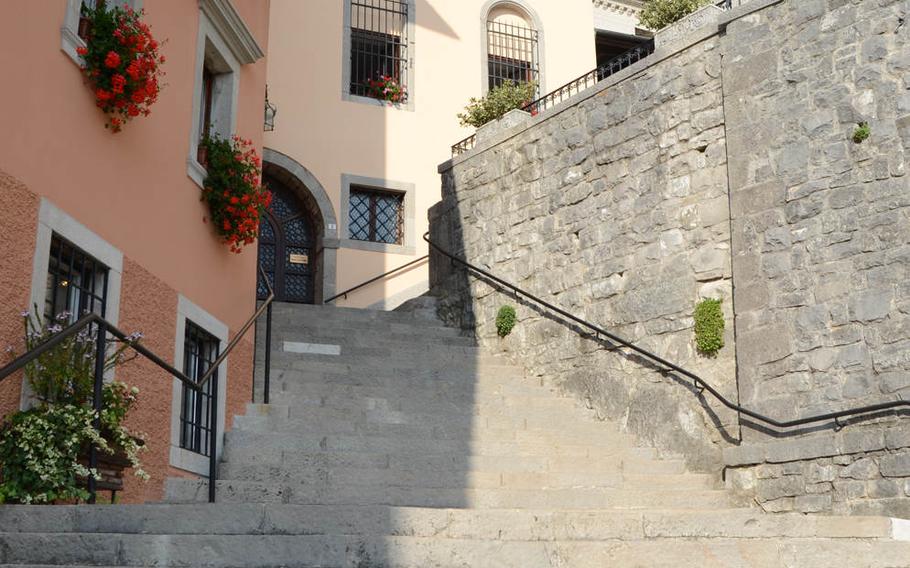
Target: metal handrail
(105, 327)
(698, 382)
(375, 278)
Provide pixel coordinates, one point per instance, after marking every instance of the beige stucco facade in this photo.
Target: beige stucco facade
(336, 137)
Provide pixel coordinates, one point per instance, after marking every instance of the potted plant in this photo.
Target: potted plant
(233, 189)
(121, 63)
(44, 449)
(387, 88)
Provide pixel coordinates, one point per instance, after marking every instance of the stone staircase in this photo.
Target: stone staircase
(392, 441)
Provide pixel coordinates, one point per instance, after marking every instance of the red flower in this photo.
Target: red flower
(112, 60)
(118, 81)
(132, 110)
(82, 50)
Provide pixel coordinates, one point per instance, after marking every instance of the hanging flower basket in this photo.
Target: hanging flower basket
(122, 63)
(233, 189)
(387, 88)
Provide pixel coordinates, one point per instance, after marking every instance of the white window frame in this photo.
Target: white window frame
(69, 32)
(346, 95)
(409, 243)
(54, 220)
(182, 458)
(225, 92)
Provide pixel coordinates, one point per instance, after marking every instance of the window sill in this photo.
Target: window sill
(189, 461)
(70, 42)
(407, 106)
(196, 172)
(378, 247)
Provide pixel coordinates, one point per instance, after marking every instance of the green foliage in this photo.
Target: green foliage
(709, 326)
(862, 132)
(658, 14)
(497, 102)
(43, 449)
(505, 320)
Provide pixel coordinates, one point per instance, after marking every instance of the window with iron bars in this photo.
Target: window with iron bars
(376, 216)
(379, 43)
(512, 54)
(200, 349)
(76, 282)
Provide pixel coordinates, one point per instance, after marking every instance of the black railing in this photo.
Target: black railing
(699, 384)
(465, 145)
(376, 278)
(590, 78)
(104, 327)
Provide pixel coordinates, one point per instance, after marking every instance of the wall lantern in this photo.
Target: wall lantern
(270, 111)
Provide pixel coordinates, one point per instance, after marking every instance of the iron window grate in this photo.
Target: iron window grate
(376, 216)
(512, 54)
(200, 349)
(76, 282)
(379, 43)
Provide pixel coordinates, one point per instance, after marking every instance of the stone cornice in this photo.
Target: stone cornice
(233, 30)
(629, 7)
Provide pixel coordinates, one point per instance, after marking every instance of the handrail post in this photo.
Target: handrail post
(97, 406)
(213, 438)
(268, 354)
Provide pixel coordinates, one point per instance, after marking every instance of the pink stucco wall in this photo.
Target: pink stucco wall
(18, 229)
(130, 188)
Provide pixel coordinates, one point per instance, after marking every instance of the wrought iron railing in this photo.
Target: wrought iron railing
(104, 328)
(698, 383)
(375, 279)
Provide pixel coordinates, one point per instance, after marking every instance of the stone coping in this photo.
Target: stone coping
(829, 444)
(660, 54)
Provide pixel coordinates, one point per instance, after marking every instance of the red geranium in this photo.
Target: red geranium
(387, 88)
(122, 63)
(233, 190)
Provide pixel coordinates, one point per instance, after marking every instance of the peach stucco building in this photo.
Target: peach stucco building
(364, 170)
(113, 222)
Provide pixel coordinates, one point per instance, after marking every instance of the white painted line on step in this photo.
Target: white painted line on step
(312, 348)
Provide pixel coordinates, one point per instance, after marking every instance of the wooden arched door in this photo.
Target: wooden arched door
(287, 248)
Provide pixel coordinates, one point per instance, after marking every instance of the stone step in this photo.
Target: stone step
(480, 524)
(354, 338)
(235, 491)
(455, 478)
(304, 314)
(388, 363)
(327, 388)
(271, 443)
(432, 463)
(294, 380)
(311, 551)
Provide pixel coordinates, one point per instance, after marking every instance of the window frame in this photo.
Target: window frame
(213, 55)
(347, 46)
(182, 458)
(53, 220)
(195, 430)
(373, 217)
(536, 23)
(69, 31)
(54, 278)
(409, 242)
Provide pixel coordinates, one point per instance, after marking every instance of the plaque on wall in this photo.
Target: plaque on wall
(299, 259)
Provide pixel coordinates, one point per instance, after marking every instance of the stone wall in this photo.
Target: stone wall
(722, 169)
(616, 210)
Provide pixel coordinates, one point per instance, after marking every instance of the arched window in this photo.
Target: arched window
(512, 46)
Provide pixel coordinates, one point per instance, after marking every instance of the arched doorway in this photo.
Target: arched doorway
(287, 246)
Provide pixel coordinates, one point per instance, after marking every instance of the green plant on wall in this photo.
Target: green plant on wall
(658, 14)
(502, 99)
(862, 132)
(505, 320)
(709, 326)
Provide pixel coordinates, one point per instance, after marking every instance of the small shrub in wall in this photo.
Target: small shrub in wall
(709, 326)
(500, 100)
(233, 189)
(862, 132)
(505, 320)
(121, 63)
(658, 14)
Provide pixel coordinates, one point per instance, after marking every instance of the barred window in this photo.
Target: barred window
(76, 282)
(512, 48)
(200, 349)
(85, 24)
(376, 216)
(379, 43)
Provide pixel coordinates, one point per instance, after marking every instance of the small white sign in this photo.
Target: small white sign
(311, 348)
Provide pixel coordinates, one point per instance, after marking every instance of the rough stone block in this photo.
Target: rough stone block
(895, 465)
